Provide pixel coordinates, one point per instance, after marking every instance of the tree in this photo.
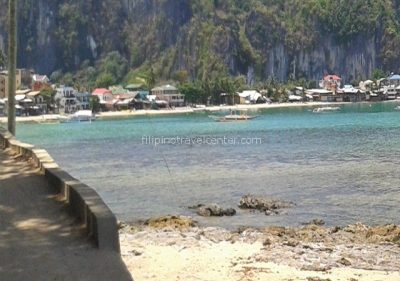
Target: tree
(12, 62)
(378, 74)
(150, 79)
(48, 93)
(181, 76)
(114, 65)
(56, 76)
(192, 92)
(105, 80)
(3, 61)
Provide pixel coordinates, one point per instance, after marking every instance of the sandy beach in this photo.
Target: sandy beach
(311, 253)
(54, 118)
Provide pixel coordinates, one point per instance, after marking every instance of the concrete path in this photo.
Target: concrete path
(38, 239)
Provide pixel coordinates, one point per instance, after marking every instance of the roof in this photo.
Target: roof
(19, 97)
(22, 92)
(40, 78)
(125, 102)
(318, 91)
(394, 77)
(33, 94)
(133, 86)
(165, 87)
(295, 98)
(251, 94)
(332, 77)
(100, 91)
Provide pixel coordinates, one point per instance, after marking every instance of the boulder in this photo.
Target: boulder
(267, 205)
(171, 222)
(214, 210)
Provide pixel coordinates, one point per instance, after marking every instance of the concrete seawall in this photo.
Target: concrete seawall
(83, 202)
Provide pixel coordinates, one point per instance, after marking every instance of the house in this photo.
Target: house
(230, 99)
(394, 80)
(350, 94)
(39, 103)
(320, 95)
(39, 82)
(4, 82)
(83, 100)
(105, 98)
(134, 87)
(331, 83)
(250, 96)
(142, 100)
(66, 99)
(170, 94)
(295, 98)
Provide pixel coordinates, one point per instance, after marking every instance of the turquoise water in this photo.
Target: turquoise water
(342, 167)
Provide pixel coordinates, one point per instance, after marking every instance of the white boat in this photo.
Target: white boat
(326, 109)
(235, 115)
(79, 116)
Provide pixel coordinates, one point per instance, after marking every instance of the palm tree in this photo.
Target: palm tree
(12, 61)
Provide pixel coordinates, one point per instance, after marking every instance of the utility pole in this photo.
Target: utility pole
(12, 61)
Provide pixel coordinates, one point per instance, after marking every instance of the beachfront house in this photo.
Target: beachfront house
(169, 94)
(331, 83)
(39, 103)
(105, 98)
(350, 94)
(320, 95)
(230, 99)
(66, 99)
(250, 96)
(83, 100)
(142, 100)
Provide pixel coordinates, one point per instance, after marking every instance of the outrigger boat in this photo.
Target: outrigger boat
(235, 115)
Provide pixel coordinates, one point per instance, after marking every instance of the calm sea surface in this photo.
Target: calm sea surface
(342, 167)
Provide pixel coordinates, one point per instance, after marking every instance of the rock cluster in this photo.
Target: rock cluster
(267, 205)
(177, 222)
(213, 210)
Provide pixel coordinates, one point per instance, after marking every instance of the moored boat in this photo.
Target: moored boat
(79, 116)
(235, 115)
(326, 109)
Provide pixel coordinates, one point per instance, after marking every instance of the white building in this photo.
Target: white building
(66, 99)
(83, 100)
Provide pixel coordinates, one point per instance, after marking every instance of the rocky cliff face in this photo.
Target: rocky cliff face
(202, 37)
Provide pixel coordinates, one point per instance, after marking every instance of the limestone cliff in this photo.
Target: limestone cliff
(255, 38)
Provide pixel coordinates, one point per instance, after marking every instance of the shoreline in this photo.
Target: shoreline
(172, 250)
(54, 118)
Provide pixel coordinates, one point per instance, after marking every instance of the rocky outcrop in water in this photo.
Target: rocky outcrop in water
(267, 205)
(213, 210)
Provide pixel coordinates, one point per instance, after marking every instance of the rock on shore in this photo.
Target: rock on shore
(355, 252)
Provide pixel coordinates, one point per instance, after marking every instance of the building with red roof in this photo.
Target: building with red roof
(331, 83)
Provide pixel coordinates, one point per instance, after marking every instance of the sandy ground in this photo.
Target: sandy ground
(215, 254)
(53, 118)
(39, 241)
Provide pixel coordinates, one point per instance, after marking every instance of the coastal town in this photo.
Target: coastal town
(37, 95)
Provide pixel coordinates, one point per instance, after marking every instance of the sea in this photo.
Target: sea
(342, 167)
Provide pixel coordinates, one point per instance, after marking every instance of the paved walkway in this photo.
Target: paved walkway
(38, 240)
